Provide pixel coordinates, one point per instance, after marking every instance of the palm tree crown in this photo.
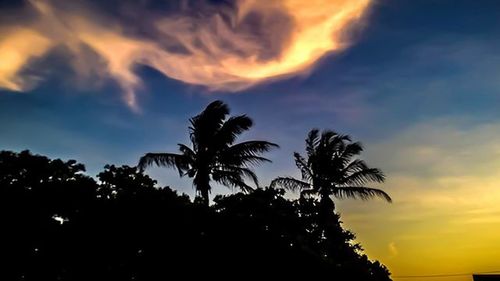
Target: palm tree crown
(332, 169)
(214, 154)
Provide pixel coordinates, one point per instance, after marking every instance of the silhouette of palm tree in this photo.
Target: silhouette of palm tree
(214, 155)
(331, 169)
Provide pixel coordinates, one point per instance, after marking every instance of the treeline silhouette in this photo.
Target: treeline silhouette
(58, 223)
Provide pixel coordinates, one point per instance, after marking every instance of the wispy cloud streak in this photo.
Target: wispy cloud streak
(226, 48)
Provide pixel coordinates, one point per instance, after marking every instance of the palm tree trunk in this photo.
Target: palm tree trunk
(205, 196)
(202, 184)
(326, 210)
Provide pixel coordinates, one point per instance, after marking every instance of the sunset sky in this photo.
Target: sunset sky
(417, 82)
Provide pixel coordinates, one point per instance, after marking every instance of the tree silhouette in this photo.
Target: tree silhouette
(332, 169)
(214, 154)
(60, 224)
(123, 181)
(280, 233)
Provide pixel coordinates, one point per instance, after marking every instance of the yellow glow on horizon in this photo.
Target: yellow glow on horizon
(445, 218)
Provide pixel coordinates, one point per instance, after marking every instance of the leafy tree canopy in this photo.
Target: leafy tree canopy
(60, 224)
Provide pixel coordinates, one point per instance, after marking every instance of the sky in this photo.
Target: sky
(415, 81)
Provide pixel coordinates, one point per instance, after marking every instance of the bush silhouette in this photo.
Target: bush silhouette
(60, 224)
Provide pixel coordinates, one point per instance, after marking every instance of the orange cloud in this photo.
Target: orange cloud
(229, 50)
(18, 47)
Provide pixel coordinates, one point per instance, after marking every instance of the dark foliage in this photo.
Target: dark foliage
(332, 169)
(214, 155)
(59, 224)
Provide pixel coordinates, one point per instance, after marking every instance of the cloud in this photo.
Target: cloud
(393, 250)
(226, 48)
(18, 47)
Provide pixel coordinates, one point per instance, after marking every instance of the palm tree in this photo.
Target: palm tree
(214, 154)
(332, 169)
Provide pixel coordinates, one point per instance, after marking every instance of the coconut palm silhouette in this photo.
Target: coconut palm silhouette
(332, 169)
(214, 155)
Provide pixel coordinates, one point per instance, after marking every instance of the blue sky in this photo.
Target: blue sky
(413, 61)
(418, 75)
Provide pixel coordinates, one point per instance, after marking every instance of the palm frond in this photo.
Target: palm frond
(359, 192)
(351, 150)
(364, 176)
(355, 165)
(242, 172)
(207, 123)
(327, 138)
(187, 152)
(163, 159)
(232, 128)
(335, 145)
(312, 142)
(241, 160)
(250, 148)
(301, 163)
(231, 179)
(290, 183)
(213, 115)
(308, 192)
